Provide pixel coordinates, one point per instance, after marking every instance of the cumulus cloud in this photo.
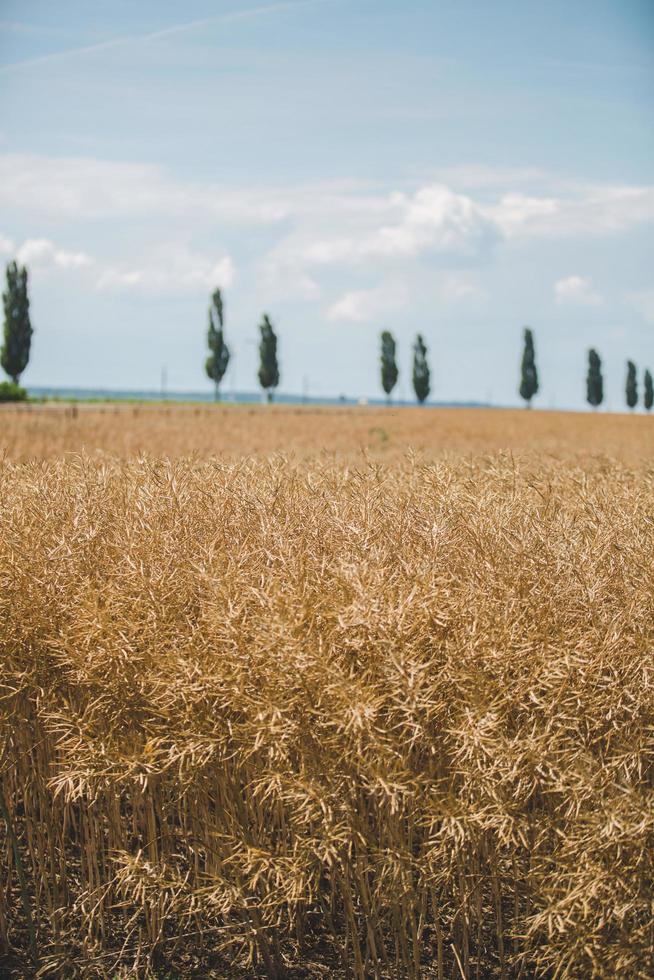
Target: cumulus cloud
(168, 269)
(43, 252)
(434, 219)
(577, 291)
(454, 228)
(643, 302)
(173, 270)
(432, 216)
(363, 305)
(312, 231)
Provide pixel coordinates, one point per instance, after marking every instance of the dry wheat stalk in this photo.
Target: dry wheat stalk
(402, 712)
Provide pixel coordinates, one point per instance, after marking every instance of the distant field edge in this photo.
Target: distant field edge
(132, 396)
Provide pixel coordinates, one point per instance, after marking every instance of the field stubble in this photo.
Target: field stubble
(385, 717)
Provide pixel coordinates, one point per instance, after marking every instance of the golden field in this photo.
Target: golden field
(48, 431)
(380, 707)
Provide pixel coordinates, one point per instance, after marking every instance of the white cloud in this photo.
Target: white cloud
(363, 305)
(356, 305)
(285, 280)
(643, 302)
(7, 247)
(434, 219)
(43, 252)
(85, 188)
(577, 291)
(311, 229)
(332, 222)
(393, 296)
(81, 187)
(586, 211)
(520, 214)
(438, 223)
(172, 270)
(168, 269)
(223, 272)
(455, 289)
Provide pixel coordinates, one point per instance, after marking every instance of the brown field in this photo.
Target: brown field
(46, 432)
(337, 714)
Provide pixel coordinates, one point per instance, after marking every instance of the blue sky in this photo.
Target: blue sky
(455, 168)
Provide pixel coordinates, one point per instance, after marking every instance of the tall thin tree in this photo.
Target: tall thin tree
(15, 352)
(389, 369)
(648, 390)
(528, 372)
(216, 363)
(421, 375)
(594, 379)
(268, 363)
(631, 386)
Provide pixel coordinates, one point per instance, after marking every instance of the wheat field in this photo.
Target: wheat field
(382, 706)
(231, 431)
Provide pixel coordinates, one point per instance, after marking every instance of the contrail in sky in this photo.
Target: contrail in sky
(116, 42)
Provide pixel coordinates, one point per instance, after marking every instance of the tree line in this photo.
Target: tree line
(594, 378)
(17, 339)
(218, 360)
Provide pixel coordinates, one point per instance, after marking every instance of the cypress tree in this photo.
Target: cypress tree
(15, 351)
(594, 380)
(631, 387)
(389, 371)
(216, 364)
(528, 372)
(421, 376)
(268, 365)
(648, 390)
